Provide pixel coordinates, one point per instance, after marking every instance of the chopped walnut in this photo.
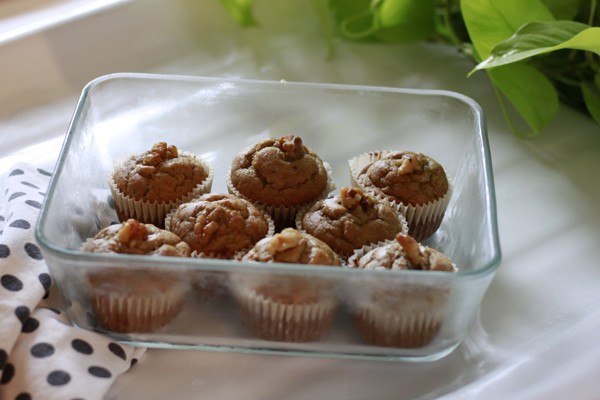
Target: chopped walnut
(408, 164)
(412, 249)
(287, 239)
(351, 197)
(290, 144)
(160, 152)
(132, 232)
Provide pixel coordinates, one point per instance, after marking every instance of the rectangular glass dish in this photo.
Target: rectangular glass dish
(215, 119)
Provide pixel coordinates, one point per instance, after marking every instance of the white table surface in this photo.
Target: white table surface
(536, 334)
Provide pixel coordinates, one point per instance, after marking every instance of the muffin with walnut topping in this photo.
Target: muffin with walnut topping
(148, 184)
(394, 313)
(281, 174)
(284, 307)
(413, 182)
(351, 220)
(136, 299)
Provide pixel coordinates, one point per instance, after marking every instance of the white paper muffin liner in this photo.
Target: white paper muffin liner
(155, 213)
(396, 328)
(196, 254)
(423, 220)
(284, 216)
(345, 257)
(126, 314)
(271, 320)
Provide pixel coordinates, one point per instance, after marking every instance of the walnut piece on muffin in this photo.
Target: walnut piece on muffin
(279, 172)
(219, 224)
(292, 246)
(405, 177)
(160, 174)
(405, 253)
(133, 237)
(351, 220)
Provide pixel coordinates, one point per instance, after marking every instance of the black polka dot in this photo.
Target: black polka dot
(22, 313)
(16, 172)
(4, 251)
(81, 346)
(12, 283)
(99, 372)
(45, 280)
(23, 396)
(41, 171)
(16, 195)
(42, 350)
(7, 374)
(58, 378)
(31, 185)
(42, 194)
(117, 350)
(2, 218)
(3, 358)
(33, 251)
(46, 295)
(20, 223)
(133, 361)
(30, 325)
(33, 204)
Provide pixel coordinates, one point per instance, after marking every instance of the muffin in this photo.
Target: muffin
(413, 182)
(282, 307)
(350, 221)
(219, 225)
(141, 300)
(148, 184)
(281, 174)
(399, 314)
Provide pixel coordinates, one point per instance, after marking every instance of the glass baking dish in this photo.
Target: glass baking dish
(215, 119)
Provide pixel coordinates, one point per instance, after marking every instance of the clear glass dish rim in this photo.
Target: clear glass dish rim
(490, 197)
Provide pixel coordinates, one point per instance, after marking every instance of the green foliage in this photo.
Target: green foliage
(534, 51)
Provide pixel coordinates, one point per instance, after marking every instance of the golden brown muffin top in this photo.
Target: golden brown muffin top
(292, 246)
(279, 172)
(160, 174)
(405, 253)
(406, 177)
(351, 220)
(133, 237)
(219, 223)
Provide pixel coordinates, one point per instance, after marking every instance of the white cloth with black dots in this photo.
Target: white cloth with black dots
(42, 356)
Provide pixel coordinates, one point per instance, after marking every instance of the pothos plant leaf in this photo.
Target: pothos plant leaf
(489, 22)
(591, 95)
(532, 94)
(241, 11)
(563, 9)
(542, 37)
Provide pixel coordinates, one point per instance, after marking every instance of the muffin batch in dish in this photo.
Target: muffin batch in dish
(277, 211)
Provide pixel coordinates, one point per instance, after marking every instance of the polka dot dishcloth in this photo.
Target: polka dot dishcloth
(42, 356)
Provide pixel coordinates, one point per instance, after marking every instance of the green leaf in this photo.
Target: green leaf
(563, 9)
(404, 20)
(532, 94)
(591, 95)
(322, 10)
(489, 22)
(241, 11)
(542, 37)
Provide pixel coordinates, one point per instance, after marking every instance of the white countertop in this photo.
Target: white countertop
(535, 336)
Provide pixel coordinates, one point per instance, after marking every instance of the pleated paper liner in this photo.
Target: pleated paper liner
(423, 220)
(284, 216)
(155, 213)
(273, 316)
